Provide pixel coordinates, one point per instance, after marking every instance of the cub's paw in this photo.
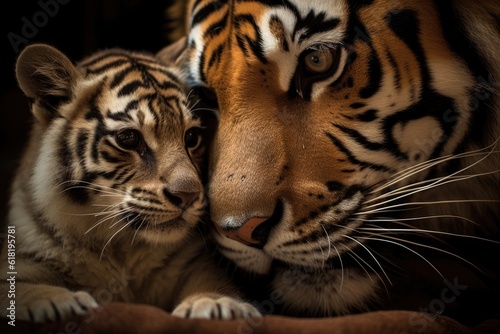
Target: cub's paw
(58, 305)
(215, 307)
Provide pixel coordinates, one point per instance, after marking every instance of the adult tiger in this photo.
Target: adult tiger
(346, 127)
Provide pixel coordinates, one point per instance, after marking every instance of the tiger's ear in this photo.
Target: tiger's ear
(173, 53)
(46, 76)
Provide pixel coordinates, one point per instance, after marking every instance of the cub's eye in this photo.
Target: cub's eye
(192, 138)
(129, 139)
(321, 61)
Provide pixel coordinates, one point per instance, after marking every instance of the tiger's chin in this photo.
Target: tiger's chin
(324, 292)
(336, 287)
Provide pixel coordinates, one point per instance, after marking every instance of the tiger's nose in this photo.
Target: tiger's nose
(249, 233)
(181, 199)
(255, 231)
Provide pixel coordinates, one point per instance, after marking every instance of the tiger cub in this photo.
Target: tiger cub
(106, 203)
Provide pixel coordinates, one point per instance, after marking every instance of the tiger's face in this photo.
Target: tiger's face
(120, 151)
(326, 107)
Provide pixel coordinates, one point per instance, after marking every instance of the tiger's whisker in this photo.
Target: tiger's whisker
(425, 203)
(341, 266)
(353, 255)
(432, 248)
(383, 220)
(406, 173)
(411, 189)
(407, 248)
(328, 240)
(371, 254)
(416, 230)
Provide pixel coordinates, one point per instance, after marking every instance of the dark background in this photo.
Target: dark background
(77, 28)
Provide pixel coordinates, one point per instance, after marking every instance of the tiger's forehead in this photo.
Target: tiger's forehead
(269, 28)
(295, 28)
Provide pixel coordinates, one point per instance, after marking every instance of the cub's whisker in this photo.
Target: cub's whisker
(111, 238)
(91, 186)
(111, 217)
(137, 230)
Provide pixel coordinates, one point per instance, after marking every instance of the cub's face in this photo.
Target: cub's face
(121, 151)
(323, 105)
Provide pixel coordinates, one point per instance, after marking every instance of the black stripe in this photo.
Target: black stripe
(359, 138)
(124, 171)
(313, 24)
(374, 77)
(131, 87)
(216, 28)
(109, 158)
(357, 105)
(368, 116)
(406, 26)
(216, 55)
(100, 132)
(106, 67)
(81, 145)
(120, 76)
(255, 45)
(334, 186)
(174, 79)
(119, 116)
(203, 13)
(126, 179)
(350, 156)
(397, 72)
(93, 111)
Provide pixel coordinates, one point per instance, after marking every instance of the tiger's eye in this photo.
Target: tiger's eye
(128, 139)
(320, 61)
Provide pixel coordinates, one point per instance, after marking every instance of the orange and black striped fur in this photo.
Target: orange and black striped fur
(357, 145)
(107, 201)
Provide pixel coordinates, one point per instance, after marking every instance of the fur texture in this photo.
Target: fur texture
(356, 139)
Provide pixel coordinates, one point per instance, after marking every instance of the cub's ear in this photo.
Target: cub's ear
(173, 54)
(47, 77)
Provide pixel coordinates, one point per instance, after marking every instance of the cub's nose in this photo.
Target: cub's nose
(181, 199)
